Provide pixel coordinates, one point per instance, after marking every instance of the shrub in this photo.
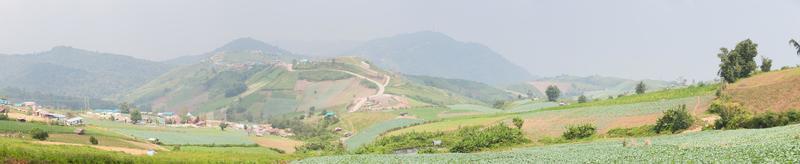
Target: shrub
(674, 120)
(39, 134)
(579, 131)
(474, 139)
(176, 148)
(3, 116)
(517, 122)
(582, 99)
(641, 131)
(93, 140)
(552, 93)
(732, 115)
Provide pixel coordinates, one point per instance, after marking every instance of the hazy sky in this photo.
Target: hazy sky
(631, 38)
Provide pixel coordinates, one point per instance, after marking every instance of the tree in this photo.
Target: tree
(39, 134)
(739, 62)
(124, 107)
(222, 126)
(517, 122)
(93, 140)
(136, 116)
(553, 93)
(582, 99)
(796, 45)
(766, 64)
(674, 120)
(641, 88)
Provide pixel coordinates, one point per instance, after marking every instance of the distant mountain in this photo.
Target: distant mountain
(241, 44)
(74, 72)
(591, 86)
(474, 90)
(435, 54)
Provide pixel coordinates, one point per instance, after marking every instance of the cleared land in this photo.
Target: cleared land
(775, 91)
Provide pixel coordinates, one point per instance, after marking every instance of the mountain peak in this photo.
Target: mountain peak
(426, 35)
(250, 44)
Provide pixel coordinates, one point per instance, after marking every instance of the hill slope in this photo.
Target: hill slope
(75, 72)
(591, 86)
(252, 84)
(435, 54)
(772, 91)
(241, 44)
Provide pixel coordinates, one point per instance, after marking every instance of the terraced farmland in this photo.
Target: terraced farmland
(773, 145)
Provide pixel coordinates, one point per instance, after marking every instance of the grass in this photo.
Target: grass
(369, 134)
(773, 145)
(177, 135)
(322, 75)
(648, 97)
(774, 91)
(26, 152)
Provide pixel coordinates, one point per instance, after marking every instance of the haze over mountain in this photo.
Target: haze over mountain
(75, 72)
(436, 54)
(241, 44)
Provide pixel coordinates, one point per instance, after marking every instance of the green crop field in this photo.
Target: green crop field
(552, 122)
(471, 107)
(773, 145)
(369, 134)
(177, 135)
(26, 152)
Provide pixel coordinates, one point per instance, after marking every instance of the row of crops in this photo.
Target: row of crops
(369, 134)
(774, 145)
(177, 135)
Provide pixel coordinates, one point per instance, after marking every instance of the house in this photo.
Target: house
(404, 114)
(74, 121)
(4, 101)
(55, 116)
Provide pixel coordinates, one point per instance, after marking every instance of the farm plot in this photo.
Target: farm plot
(372, 132)
(477, 108)
(553, 122)
(177, 135)
(773, 145)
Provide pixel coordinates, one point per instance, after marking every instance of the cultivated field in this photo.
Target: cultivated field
(772, 91)
(773, 145)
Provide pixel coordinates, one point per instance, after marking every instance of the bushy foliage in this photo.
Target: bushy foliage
(766, 64)
(93, 140)
(125, 107)
(772, 119)
(738, 63)
(582, 99)
(641, 88)
(674, 120)
(389, 144)
(732, 115)
(474, 138)
(3, 116)
(136, 116)
(641, 131)
(518, 122)
(579, 131)
(39, 134)
(235, 89)
(553, 93)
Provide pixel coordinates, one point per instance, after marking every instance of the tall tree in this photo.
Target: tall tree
(583, 99)
(124, 107)
(739, 62)
(553, 93)
(796, 45)
(136, 116)
(641, 88)
(766, 64)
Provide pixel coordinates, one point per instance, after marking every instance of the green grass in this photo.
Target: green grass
(425, 113)
(21, 150)
(177, 135)
(648, 97)
(472, 107)
(25, 127)
(369, 134)
(774, 145)
(323, 75)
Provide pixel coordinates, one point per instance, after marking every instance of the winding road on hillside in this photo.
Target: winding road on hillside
(360, 101)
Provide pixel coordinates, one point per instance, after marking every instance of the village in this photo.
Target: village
(31, 111)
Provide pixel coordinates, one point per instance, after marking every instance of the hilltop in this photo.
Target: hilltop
(75, 72)
(436, 54)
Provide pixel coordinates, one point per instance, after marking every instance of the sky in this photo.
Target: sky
(639, 39)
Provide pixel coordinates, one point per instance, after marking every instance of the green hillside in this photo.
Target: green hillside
(67, 71)
(591, 86)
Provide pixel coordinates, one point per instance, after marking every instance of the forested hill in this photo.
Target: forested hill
(75, 72)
